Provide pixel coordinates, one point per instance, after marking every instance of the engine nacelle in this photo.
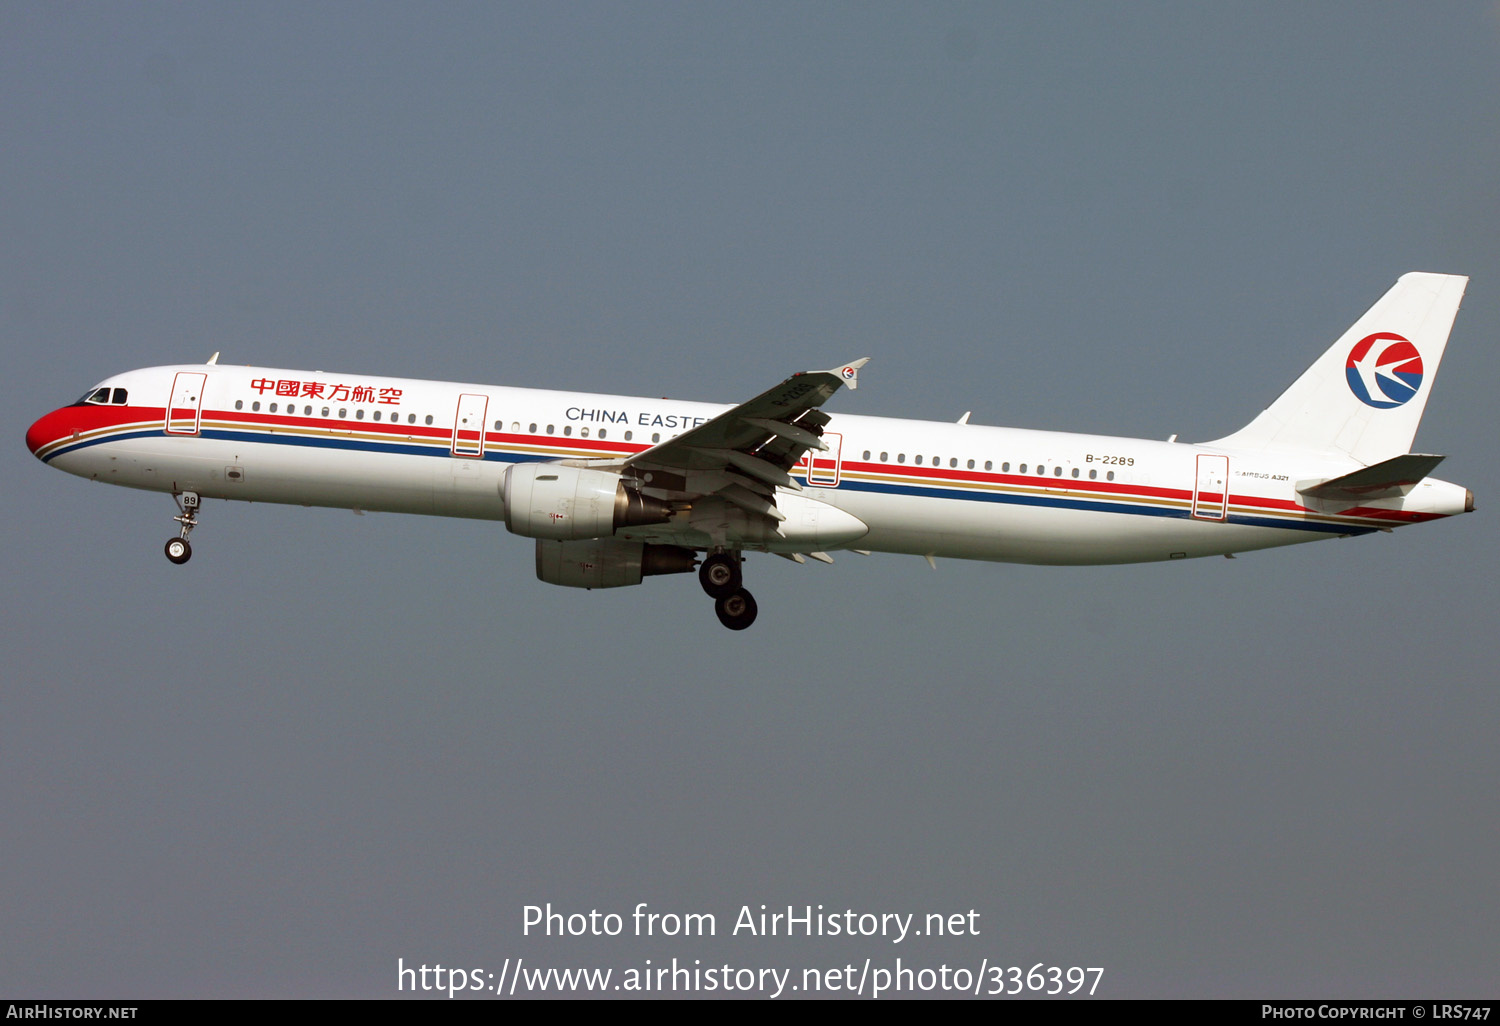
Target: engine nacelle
(548, 500)
(607, 563)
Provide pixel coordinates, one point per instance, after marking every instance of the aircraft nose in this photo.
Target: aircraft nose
(50, 428)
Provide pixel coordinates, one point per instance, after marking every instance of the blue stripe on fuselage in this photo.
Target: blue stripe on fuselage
(334, 441)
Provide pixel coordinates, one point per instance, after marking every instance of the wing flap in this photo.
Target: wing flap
(745, 455)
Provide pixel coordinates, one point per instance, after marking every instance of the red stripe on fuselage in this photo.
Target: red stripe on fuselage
(72, 421)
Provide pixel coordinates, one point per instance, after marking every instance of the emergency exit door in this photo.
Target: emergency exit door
(185, 407)
(468, 425)
(1211, 494)
(823, 467)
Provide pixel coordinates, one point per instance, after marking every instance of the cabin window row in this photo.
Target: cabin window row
(1040, 470)
(583, 432)
(343, 413)
(411, 418)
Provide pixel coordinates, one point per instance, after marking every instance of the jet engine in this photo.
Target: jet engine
(606, 562)
(549, 500)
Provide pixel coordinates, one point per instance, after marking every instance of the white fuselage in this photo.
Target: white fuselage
(937, 489)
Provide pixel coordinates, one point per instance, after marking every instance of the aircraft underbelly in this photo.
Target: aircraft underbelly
(997, 532)
(1019, 532)
(297, 475)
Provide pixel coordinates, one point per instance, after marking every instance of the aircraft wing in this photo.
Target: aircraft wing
(745, 453)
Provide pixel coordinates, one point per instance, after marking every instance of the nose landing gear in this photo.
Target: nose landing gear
(722, 579)
(178, 550)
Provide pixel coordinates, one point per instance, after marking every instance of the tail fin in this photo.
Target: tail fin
(1364, 397)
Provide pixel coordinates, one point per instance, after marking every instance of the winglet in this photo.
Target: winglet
(849, 372)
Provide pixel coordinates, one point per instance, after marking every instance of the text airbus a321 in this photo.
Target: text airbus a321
(616, 488)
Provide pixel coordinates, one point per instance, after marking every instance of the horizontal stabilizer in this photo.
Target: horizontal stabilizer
(1387, 480)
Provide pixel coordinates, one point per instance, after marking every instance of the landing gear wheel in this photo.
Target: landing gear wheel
(720, 575)
(736, 610)
(179, 551)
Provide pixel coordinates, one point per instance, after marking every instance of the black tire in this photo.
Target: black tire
(178, 550)
(720, 575)
(736, 610)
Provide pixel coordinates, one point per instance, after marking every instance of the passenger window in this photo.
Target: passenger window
(918, 460)
(1023, 468)
(583, 432)
(989, 464)
(1057, 471)
(325, 411)
(255, 406)
(343, 414)
(1075, 471)
(549, 429)
(953, 462)
(359, 414)
(884, 457)
(239, 404)
(273, 408)
(603, 432)
(1093, 474)
(532, 429)
(1041, 469)
(656, 436)
(377, 414)
(429, 418)
(1005, 467)
(307, 412)
(568, 429)
(629, 435)
(498, 424)
(1110, 476)
(900, 457)
(867, 454)
(971, 464)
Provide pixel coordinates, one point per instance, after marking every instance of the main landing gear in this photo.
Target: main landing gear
(178, 550)
(721, 579)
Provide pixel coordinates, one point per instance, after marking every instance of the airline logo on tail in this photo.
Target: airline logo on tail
(1384, 370)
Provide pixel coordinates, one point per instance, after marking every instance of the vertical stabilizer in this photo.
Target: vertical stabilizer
(1364, 397)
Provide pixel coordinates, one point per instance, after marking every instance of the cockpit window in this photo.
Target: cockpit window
(102, 397)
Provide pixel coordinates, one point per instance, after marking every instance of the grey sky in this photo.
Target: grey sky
(332, 741)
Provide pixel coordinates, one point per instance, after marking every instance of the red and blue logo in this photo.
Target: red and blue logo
(1384, 370)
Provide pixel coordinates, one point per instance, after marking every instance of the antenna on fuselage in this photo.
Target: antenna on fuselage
(213, 359)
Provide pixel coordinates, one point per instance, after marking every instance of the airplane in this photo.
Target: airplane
(614, 489)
